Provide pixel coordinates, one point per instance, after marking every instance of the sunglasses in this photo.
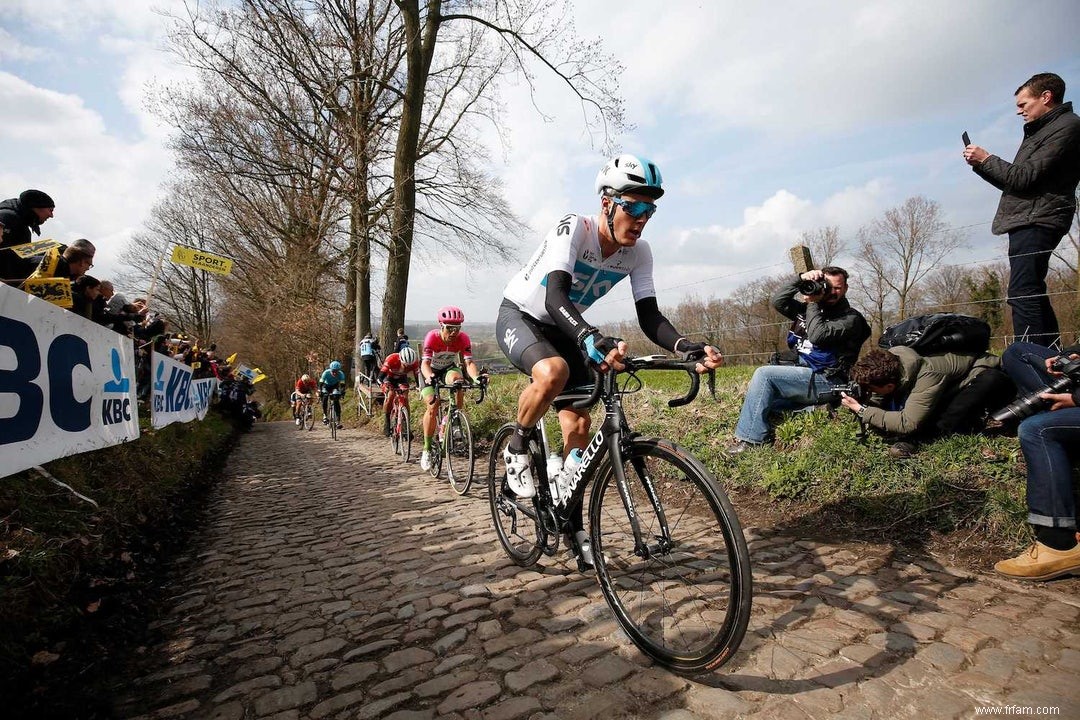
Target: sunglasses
(635, 208)
(451, 328)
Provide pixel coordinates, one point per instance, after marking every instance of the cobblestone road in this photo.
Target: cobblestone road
(335, 582)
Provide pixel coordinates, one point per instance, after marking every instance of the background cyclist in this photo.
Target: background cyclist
(540, 328)
(367, 356)
(395, 371)
(442, 348)
(306, 385)
(333, 378)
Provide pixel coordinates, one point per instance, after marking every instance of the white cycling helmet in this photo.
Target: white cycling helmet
(407, 355)
(630, 174)
(305, 377)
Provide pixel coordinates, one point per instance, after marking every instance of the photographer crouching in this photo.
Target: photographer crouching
(1050, 440)
(918, 398)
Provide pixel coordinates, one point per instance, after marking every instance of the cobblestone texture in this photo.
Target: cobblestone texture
(333, 581)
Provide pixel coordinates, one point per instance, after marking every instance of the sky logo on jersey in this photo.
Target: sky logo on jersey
(591, 284)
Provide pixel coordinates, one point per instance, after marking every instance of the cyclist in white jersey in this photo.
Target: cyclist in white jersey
(540, 328)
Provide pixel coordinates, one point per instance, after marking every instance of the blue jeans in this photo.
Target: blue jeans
(1033, 316)
(1050, 442)
(1025, 363)
(774, 388)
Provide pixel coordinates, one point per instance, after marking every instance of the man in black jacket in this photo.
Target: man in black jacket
(825, 338)
(1038, 199)
(21, 218)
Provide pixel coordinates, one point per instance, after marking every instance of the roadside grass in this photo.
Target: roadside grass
(972, 483)
(64, 562)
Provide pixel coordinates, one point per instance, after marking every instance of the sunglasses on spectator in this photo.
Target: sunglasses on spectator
(635, 208)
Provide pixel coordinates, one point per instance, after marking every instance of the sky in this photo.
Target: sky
(767, 120)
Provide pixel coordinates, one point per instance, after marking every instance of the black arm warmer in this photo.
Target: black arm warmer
(562, 311)
(656, 326)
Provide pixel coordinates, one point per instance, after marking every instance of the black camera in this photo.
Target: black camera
(1030, 404)
(834, 395)
(812, 287)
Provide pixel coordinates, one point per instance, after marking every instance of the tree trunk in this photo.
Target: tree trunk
(420, 47)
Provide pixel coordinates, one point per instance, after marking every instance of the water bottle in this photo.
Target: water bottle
(554, 468)
(570, 466)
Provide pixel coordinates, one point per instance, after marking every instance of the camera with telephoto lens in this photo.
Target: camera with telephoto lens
(812, 287)
(834, 395)
(1030, 404)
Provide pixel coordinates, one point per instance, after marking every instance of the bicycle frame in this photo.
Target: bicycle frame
(609, 440)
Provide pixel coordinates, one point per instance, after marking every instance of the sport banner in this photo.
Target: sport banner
(66, 384)
(176, 397)
(202, 260)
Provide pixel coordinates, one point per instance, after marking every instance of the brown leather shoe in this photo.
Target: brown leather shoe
(1040, 562)
(902, 449)
(740, 446)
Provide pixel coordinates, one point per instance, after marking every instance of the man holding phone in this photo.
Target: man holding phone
(1038, 199)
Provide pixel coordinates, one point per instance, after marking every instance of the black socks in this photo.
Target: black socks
(1058, 538)
(517, 440)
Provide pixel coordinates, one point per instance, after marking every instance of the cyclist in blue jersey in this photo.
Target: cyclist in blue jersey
(540, 327)
(367, 356)
(333, 378)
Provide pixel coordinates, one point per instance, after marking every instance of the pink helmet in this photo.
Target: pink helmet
(451, 315)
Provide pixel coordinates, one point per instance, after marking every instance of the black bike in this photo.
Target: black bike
(668, 548)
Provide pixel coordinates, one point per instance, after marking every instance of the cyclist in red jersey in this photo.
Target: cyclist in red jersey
(442, 348)
(395, 371)
(306, 385)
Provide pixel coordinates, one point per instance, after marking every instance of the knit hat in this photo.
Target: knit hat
(35, 199)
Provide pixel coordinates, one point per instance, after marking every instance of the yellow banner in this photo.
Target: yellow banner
(28, 250)
(54, 290)
(202, 260)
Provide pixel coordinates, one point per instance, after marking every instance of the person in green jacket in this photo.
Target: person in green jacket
(918, 398)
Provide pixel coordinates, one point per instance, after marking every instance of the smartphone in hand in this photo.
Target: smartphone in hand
(966, 139)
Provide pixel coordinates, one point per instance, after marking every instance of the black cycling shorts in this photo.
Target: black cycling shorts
(525, 341)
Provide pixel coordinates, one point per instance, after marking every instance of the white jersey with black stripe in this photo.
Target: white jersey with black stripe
(574, 247)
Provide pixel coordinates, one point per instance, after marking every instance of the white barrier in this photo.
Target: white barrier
(176, 397)
(67, 385)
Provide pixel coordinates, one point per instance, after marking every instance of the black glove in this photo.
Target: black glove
(597, 346)
(690, 350)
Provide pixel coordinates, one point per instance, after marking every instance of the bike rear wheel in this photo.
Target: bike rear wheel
(435, 457)
(459, 453)
(684, 603)
(515, 519)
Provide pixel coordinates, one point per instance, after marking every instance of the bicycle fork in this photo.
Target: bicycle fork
(617, 449)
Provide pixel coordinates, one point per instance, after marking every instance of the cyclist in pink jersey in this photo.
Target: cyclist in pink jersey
(442, 349)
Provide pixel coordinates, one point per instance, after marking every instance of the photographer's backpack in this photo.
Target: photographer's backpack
(939, 333)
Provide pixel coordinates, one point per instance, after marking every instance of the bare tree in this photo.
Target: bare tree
(528, 30)
(825, 244)
(902, 248)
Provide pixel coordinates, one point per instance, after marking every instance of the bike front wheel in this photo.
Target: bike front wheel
(333, 422)
(683, 593)
(515, 519)
(459, 453)
(309, 416)
(403, 434)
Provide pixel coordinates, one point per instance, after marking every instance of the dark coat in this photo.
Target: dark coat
(1039, 185)
(20, 225)
(839, 327)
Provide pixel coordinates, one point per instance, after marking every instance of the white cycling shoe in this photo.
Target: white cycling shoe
(518, 474)
(425, 460)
